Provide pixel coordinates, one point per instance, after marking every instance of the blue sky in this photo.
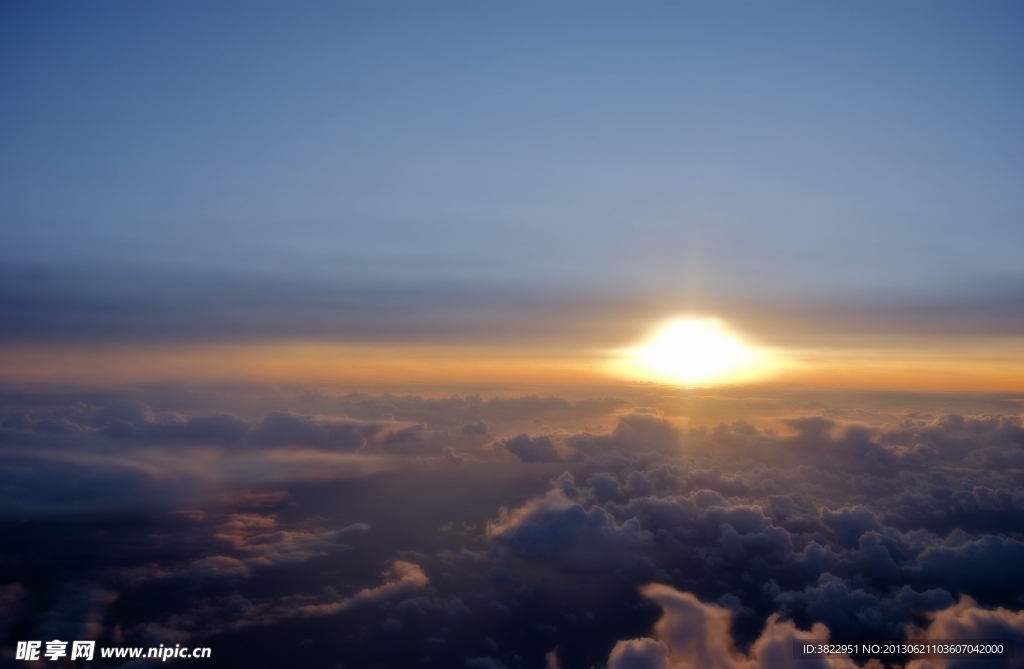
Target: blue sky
(529, 157)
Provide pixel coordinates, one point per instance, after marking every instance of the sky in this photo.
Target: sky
(503, 335)
(541, 177)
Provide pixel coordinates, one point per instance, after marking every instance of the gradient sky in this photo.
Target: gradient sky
(510, 175)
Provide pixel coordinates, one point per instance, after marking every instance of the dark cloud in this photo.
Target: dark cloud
(983, 567)
(12, 598)
(531, 449)
(78, 612)
(477, 429)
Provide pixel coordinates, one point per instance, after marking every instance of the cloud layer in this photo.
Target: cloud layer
(650, 529)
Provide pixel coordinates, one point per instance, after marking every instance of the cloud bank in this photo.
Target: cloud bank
(652, 529)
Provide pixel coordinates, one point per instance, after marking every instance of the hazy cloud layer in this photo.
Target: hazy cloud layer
(60, 306)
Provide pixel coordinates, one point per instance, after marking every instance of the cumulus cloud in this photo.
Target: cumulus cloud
(968, 621)
(692, 634)
(639, 654)
(583, 538)
(531, 449)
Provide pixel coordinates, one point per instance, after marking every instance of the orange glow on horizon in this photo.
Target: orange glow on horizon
(293, 362)
(992, 367)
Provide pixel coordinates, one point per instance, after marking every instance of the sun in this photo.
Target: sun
(692, 351)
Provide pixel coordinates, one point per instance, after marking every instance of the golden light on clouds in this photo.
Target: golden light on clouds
(694, 350)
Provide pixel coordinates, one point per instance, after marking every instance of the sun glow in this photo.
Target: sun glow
(693, 351)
